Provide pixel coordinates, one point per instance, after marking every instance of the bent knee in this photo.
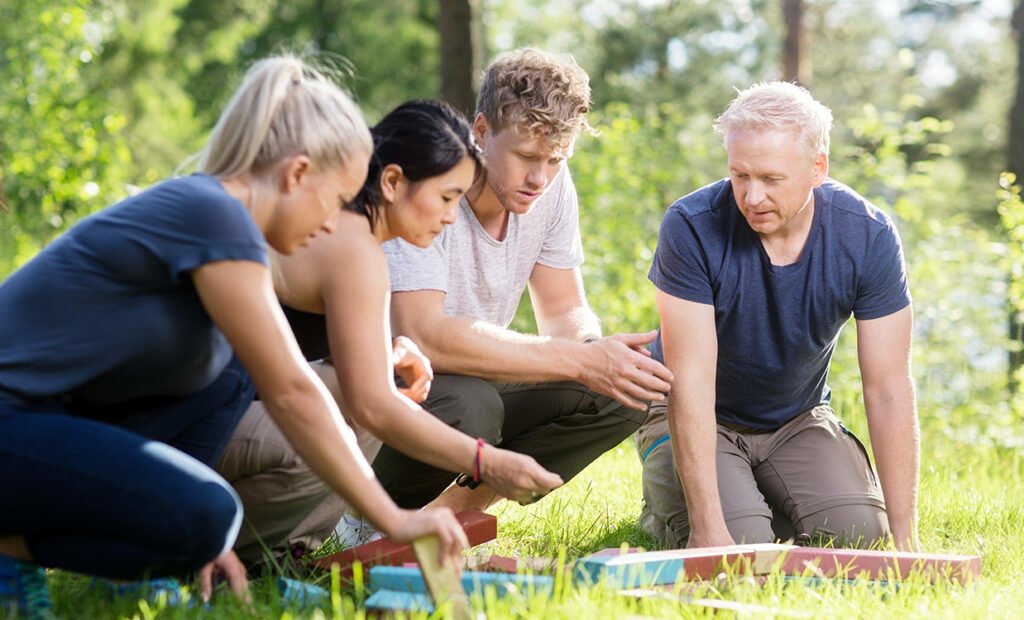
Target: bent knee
(860, 525)
(751, 529)
(468, 404)
(204, 526)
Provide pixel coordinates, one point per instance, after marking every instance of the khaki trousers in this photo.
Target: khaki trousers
(809, 479)
(284, 502)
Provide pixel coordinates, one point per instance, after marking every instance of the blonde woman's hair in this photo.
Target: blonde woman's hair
(537, 94)
(285, 107)
(779, 105)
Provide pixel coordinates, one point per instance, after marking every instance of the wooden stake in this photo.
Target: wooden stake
(443, 582)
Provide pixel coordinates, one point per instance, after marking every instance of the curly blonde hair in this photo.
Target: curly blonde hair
(537, 94)
(779, 105)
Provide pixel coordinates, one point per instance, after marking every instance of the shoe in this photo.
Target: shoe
(23, 591)
(352, 531)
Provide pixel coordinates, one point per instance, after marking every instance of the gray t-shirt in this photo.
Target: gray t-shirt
(484, 278)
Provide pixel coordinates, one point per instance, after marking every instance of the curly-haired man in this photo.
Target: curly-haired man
(564, 396)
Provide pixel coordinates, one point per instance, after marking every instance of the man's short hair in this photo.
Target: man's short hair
(537, 94)
(779, 105)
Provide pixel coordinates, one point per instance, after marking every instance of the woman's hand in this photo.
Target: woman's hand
(413, 367)
(233, 570)
(516, 476)
(451, 538)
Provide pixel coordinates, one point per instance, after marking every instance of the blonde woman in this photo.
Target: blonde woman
(127, 347)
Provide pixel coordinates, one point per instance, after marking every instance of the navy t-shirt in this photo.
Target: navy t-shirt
(107, 312)
(778, 325)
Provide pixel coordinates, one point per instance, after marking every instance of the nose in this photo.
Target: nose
(755, 193)
(537, 177)
(449, 214)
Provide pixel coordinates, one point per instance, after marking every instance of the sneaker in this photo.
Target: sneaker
(23, 590)
(352, 531)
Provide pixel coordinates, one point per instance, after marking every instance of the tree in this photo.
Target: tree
(460, 52)
(1015, 164)
(1015, 143)
(62, 152)
(794, 65)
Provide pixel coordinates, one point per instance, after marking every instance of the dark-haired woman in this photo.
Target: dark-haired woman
(336, 295)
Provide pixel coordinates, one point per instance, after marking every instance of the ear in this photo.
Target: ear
(820, 168)
(390, 179)
(481, 129)
(296, 170)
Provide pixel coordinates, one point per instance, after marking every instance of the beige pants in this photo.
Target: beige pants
(809, 479)
(284, 502)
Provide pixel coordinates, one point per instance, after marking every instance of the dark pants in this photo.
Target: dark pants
(564, 426)
(126, 496)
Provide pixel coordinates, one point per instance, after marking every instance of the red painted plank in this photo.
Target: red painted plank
(705, 562)
(480, 527)
(889, 565)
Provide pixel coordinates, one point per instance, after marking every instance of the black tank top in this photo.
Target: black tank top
(310, 331)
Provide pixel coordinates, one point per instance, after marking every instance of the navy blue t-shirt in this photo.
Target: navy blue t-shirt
(108, 312)
(778, 325)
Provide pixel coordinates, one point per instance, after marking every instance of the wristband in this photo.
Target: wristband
(479, 455)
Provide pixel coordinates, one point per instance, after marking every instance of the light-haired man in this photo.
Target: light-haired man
(564, 396)
(756, 275)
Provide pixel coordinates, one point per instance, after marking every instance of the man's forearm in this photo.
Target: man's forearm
(580, 324)
(694, 445)
(895, 437)
(457, 345)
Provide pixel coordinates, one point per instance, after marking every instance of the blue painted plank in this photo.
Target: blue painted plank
(653, 572)
(405, 601)
(410, 579)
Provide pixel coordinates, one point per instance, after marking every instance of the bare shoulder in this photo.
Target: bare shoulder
(348, 258)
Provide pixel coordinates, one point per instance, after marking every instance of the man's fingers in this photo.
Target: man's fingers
(637, 340)
(550, 480)
(627, 401)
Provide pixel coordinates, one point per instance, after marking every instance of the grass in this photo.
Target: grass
(970, 502)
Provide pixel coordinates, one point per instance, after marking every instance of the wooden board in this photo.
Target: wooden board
(442, 581)
(480, 527)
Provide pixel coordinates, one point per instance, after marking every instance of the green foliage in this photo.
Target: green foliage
(62, 151)
(1011, 212)
(899, 161)
(389, 48)
(644, 159)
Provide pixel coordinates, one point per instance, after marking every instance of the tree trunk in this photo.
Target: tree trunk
(1015, 146)
(460, 52)
(1015, 164)
(794, 64)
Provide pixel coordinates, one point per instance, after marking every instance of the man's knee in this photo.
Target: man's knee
(664, 515)
(850, 525)
(468, 404)
(750, 529)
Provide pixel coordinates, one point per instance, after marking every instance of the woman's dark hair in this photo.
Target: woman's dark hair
(426, 138)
